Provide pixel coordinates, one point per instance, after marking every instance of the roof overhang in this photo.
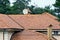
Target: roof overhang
(10, 29)
(44, 29)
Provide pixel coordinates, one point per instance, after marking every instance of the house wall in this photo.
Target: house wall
(57, 37)
(9, 35)
(1, 35)
(5, 35)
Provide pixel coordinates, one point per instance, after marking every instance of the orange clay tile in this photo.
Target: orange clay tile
(6, 22)
(29, 35)
(40, 21)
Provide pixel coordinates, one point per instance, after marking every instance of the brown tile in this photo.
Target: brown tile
(29, 35)
(6, 22)
(41, 21)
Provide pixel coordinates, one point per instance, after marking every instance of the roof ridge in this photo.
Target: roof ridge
(50, 15)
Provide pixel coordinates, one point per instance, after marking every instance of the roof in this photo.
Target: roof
(41, 21)
(49, 15)
(6, 22)
(29, 35)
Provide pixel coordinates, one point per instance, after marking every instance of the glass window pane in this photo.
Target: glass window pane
(55, 32)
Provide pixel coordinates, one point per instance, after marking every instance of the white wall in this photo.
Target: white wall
(5, 35)
(9, 35)
(1, 35)
(57, 37)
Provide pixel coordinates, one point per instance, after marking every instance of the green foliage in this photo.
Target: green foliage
(51, 11)
(57, 5)
(57, 8)
(19, 5)
(17, 8)
(4, 6)
(38, 10)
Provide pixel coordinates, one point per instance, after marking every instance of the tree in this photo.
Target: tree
(38, 10)
(19, 5)
(4, 6)
(57, 7)
(51, 11)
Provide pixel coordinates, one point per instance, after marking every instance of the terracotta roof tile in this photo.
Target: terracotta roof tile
(49, 15)
(29, 35)
(41, 21)
(6, 22)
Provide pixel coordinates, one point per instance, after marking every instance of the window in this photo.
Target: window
(55, 32)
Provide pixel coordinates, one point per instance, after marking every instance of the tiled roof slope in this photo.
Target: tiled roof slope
(41, 21)
(49, 15)
(6, 22)
(29, 35)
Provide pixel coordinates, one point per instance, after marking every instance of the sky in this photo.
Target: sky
(40, 3)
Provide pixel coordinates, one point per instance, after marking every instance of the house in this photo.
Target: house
(7, 27)
(12, 26)
(39, 23)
